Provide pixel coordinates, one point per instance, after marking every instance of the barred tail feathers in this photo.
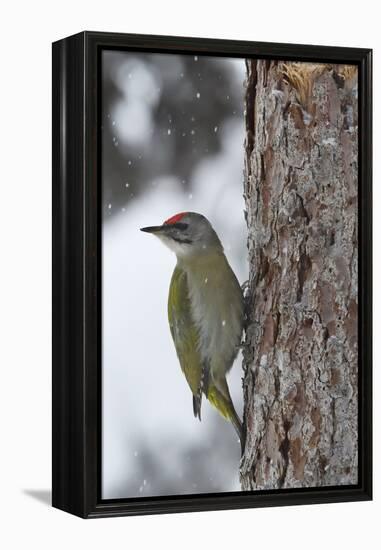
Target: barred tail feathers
(219, 396)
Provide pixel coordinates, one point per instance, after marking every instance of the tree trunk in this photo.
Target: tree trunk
(300, 362)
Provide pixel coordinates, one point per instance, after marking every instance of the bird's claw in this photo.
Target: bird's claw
(243, 345)
(245, 288)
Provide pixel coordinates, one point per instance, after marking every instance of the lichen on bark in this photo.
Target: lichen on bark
(300, 362)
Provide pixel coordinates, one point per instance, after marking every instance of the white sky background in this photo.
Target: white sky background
(152, 444)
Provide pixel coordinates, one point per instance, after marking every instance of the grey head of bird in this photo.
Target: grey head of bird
(187, 234)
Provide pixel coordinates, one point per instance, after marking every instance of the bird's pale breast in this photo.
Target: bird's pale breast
(217, 309)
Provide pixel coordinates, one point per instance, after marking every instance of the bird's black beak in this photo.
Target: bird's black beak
(152, 229)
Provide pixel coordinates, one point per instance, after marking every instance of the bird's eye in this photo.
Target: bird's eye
(181, 226)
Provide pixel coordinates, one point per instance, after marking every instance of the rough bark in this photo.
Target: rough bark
(300, 362)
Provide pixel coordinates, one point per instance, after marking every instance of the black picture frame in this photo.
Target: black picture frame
(77, 285)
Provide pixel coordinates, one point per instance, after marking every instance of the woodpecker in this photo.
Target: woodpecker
(205, 310)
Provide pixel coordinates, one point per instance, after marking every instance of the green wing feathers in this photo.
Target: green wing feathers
(185, 337)
(183, 330)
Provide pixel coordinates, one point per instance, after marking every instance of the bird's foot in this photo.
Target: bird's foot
(245, 287)
(243, 345)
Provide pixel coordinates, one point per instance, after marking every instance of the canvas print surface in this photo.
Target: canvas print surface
(229, 274)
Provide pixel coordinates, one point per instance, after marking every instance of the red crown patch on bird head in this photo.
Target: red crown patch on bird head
(174, 219)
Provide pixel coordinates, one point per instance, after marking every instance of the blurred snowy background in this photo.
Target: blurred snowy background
(172, 141)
